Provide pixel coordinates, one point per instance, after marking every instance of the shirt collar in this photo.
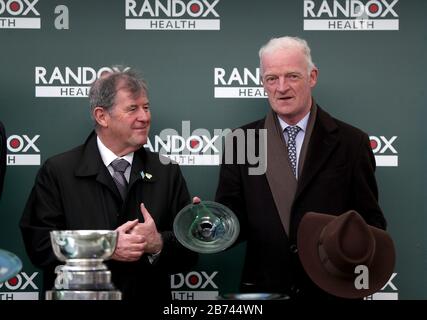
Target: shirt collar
(302, 123)
(108, 156)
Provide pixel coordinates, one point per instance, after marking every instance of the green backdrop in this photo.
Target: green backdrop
(371, 78)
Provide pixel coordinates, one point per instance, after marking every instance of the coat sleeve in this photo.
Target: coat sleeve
(42, 213)
(230, 191)
(364, 189)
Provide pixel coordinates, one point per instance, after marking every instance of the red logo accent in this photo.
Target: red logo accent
(193, 280)
(195, 8)
(13, 281)
(373, 8)
(14, 143)
(14, 6)
(194, 143)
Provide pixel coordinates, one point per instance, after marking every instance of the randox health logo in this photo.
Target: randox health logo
(21, 287)
(194, 285)
(19, 14)
(172, 15)
(65, 81)
(351, 15)
(384, 150)
(190, 147)
(237, 82)
(22, 150)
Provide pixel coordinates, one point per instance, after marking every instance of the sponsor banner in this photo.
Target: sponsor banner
(194, 295)
(388, 292)
(175, 24)
(194, 285)
(20, 287)
(56, 91)
(351, 15)
(237, 82)
(387, 161)
(198, 147)
(20, 23)
(384, 296)
(19, 14)
(385, 153)
(66, 82)
(195, 160)
(23, 160)
(22, 150)
(351, 25)
(172, 15)
(240, 92)
(19, 296)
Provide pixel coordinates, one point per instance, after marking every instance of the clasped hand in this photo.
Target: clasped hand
(136, 238)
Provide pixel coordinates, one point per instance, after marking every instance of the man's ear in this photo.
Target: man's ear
(101, 116)
(313, 77)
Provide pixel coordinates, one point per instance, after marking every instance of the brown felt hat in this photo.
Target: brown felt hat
(331, 247)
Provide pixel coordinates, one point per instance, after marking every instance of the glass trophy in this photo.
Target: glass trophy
(10, 265)
(206, 227)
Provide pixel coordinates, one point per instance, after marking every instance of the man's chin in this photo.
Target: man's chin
(284, 109)
(138, 144)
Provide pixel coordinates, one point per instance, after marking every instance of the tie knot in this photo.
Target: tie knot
(120, 165)
(292, 131)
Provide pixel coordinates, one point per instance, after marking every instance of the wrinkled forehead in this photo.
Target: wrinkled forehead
(124, 93)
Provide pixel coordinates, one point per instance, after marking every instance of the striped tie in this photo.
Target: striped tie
(119, 167)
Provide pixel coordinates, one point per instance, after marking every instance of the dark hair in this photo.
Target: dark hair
(103, 91)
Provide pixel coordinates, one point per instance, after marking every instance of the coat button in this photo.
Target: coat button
(293, 248)
(295, 290)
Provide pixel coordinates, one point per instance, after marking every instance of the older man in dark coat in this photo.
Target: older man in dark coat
(81, 189)
(314, 163)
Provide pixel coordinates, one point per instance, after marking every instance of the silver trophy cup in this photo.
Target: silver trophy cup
(84, 275)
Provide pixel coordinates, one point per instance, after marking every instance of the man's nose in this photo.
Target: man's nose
(143, 114)
(283, 84)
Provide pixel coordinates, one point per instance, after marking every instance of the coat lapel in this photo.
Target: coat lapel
(143, 176)
(322, 143)
(137, 170)
(91, 165)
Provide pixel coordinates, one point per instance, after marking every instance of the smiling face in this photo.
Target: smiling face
(125, 127)
(288, 83)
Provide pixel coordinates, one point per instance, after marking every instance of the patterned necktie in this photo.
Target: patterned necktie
(292, 149)
(119, 167)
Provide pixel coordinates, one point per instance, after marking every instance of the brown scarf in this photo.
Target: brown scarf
(280, 177)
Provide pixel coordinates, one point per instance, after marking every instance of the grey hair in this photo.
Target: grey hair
(104, 90)
(286, 43)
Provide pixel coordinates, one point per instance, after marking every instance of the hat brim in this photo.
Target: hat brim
(380, 270)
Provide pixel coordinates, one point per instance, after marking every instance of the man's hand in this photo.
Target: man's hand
(148, 230)
(130, 247)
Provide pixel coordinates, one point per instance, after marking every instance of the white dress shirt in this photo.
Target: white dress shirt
(108, 156)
